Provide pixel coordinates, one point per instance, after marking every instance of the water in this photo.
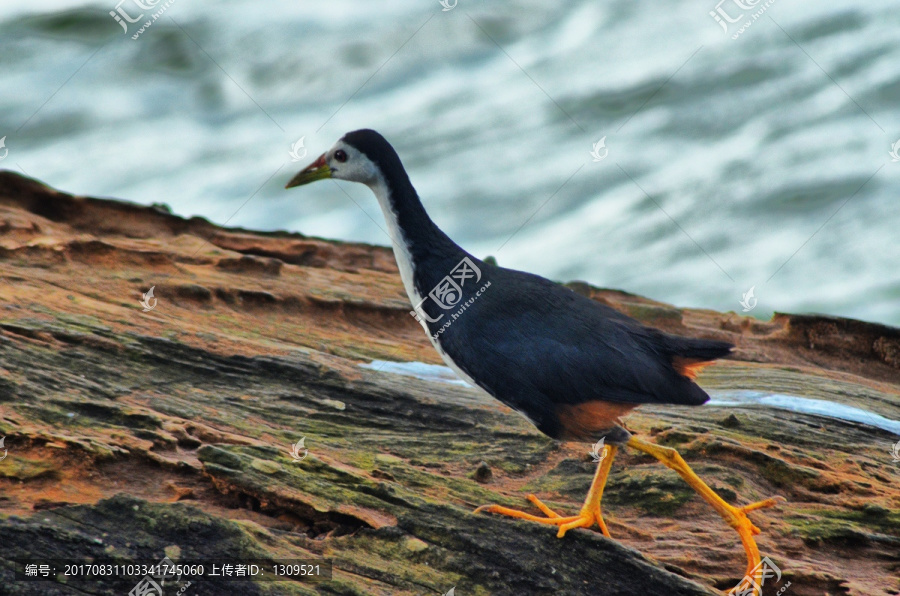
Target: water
(766, 162)
(420, 370)
(730, 399)
(803, 405)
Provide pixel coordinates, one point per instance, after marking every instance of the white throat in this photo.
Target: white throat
(401, 246)
(407, 269)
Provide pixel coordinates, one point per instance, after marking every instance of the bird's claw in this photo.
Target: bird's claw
(587, 517)
(765, 504)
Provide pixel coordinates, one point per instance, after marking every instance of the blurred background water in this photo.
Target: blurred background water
(736, 159)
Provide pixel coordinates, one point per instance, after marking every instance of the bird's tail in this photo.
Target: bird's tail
(689, 355)
(699, 349)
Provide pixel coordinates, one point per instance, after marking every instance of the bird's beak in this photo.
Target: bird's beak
(317, 170)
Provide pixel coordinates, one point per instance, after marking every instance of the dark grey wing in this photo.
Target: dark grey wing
(537, 336)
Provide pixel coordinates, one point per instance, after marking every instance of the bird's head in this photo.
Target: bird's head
(358, 156)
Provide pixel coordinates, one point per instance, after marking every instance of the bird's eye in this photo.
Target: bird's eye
(340, 155)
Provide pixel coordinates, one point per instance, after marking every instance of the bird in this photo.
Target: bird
(570, 364)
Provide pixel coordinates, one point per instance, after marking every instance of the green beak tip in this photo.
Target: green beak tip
(310, 174)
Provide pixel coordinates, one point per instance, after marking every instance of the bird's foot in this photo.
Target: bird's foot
(737, 519)
(587, 517)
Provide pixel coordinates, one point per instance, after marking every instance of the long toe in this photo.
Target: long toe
(770, 502)
(509, 512)
(540, 505)
(584, 519)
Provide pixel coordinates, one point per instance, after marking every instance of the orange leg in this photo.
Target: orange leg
(735, 516)
(590, 511)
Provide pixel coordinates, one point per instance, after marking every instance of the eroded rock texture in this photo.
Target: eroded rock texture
(133, 434)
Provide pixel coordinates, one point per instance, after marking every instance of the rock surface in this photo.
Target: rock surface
(135, 434)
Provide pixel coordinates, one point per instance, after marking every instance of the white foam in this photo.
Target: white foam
(803, 405)
(731, 399)
(419, 370)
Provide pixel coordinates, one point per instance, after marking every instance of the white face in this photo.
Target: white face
(348, 163)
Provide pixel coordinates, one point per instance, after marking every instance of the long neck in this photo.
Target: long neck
(424, 253)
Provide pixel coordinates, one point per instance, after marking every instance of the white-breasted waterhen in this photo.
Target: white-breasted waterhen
(571, 365)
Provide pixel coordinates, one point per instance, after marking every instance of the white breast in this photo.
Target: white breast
(407, 271)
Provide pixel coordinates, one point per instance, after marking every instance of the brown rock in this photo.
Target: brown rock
(111, 414)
